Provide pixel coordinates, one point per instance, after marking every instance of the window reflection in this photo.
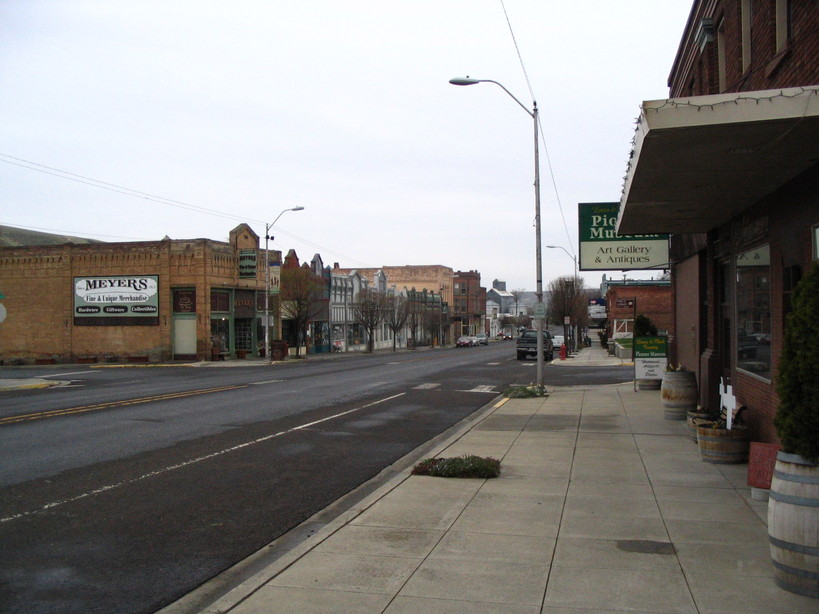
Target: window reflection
(753, 301)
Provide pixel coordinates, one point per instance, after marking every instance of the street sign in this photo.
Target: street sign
(540, 311)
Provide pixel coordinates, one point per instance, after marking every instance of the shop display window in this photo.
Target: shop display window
(753, 311)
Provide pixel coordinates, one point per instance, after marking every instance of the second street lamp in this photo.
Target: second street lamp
(539, 308)
(574, 334)
(267, 238)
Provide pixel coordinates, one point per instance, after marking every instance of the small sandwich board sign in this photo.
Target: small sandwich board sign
(650, 357)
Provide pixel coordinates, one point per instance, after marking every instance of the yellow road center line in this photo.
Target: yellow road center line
(87, 408)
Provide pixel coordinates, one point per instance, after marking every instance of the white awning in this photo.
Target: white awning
(698, 162)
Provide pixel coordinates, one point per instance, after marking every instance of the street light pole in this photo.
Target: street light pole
(574, 258)
(539, 268)
(267, 238)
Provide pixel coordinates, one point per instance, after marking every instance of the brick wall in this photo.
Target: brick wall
(652, 301)
(38, 281)
(696, 69)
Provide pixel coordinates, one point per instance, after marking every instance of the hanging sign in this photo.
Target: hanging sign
(247, 264)
(602, 249)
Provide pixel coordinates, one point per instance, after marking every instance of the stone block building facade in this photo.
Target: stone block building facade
(137, 301)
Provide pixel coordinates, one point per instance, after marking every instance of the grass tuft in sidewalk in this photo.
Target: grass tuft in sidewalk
(525, 392)
(466, 466)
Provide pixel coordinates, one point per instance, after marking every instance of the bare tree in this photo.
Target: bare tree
(396, 316)
(300, 299)
(432, 322)
(567, 298)
(369, 311)
(415, 317)
(517, 294)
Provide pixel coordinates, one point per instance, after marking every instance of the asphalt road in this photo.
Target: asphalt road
(127, 488)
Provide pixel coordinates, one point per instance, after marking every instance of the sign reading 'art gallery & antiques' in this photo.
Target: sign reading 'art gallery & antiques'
(602, 249)
(118, 300)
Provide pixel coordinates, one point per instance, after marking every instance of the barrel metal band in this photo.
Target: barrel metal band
(792, 547)
(790, 477)
(801, 501)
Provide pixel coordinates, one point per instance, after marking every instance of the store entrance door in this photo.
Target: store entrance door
(243, 335)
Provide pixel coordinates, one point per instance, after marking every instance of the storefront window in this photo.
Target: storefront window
(220, 334)
(219, 301)
(753, 303)
(184, 300)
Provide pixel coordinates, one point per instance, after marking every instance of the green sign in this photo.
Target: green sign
(247, 264)
(650, 357)
(602, 249)
(650, 347)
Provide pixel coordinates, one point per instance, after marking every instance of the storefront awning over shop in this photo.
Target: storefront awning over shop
(697, 162)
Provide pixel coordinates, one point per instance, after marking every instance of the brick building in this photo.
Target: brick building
(728, 166)
(628, 298)
(136, 301)
(469, 304)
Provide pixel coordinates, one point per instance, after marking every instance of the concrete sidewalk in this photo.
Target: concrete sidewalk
(602, 506)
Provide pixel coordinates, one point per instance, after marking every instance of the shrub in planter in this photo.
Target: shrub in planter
(644, 327)
(793, 506)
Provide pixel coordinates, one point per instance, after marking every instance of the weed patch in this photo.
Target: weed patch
(467, 466)
(525, 392)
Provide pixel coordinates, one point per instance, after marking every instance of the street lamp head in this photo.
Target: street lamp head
(297, 208)
(464, 81)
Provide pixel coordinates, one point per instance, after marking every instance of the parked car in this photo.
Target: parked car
(527, 345)
(482, 339)
(557, 340)
(465, 342)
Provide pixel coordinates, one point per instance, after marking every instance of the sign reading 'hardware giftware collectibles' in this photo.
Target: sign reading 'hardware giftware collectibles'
(116, 300)
(602, 249)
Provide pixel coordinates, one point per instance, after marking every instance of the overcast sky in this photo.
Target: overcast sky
(247, 108)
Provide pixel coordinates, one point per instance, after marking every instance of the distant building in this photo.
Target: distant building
(469, 303)
(626, 299)
(435, 279)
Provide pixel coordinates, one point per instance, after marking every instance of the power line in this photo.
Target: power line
(540, 127)
(112, 187)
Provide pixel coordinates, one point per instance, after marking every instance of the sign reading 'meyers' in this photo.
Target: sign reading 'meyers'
(131, 296)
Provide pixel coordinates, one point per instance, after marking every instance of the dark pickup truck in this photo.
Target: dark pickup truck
(527, 345)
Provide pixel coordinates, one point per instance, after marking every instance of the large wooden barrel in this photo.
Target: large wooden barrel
(678, 394)
(793, 524)
(721, 446)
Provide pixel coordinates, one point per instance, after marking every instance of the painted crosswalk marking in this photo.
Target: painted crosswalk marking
(428, 386)
(489, 389)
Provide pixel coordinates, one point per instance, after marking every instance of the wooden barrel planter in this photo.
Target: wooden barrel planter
(694, 419)
(721, 446)
(679, 394)
(793, 524)
(648, 384)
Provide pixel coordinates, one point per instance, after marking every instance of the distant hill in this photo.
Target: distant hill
(20, 237)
